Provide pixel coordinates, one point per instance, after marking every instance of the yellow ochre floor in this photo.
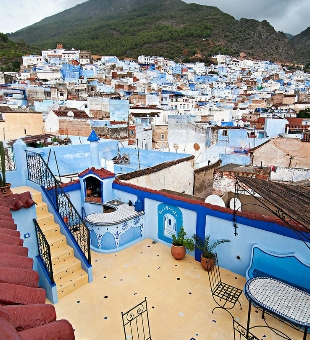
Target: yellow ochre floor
(178, 296)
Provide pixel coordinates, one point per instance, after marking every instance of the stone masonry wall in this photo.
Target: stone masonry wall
(204, 180)
(74, 127)
(224, 181)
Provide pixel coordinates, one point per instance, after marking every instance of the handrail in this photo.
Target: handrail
(40, 173)
(9, 159)
(44, 251)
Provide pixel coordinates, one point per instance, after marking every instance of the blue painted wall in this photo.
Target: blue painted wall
(24, 221)
(119, 110)
(204, 220)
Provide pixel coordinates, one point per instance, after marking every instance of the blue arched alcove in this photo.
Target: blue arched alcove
(170, 220)
(93, 239)
(108, 241)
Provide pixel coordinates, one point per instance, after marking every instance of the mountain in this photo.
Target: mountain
(169, 28)
(11, 53)
(302, 43)
(289, 36)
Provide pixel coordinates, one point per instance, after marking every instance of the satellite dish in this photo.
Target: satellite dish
(235, 204)
(196, 146)
(215, 200)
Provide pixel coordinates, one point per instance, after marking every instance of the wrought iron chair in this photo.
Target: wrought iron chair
(136, 322)
(224, 295)
(239, 329)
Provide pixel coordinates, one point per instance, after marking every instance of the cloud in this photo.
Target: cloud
(18, 14)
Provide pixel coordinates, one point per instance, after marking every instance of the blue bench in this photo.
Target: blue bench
(285, 267)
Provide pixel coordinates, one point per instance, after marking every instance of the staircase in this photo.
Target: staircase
(67, 271)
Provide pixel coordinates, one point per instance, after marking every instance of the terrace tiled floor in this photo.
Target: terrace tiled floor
(178, 296)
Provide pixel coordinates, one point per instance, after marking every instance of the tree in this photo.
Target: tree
(304, 113)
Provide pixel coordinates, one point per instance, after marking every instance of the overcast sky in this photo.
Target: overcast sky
(289, 16)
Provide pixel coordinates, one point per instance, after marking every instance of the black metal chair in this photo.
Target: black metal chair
(136, 322)
(239, 329)
(224, 295)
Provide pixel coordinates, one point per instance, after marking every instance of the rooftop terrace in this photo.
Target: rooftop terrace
(178, 296)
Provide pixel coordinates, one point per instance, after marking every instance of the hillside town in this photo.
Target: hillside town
(106, 164)
(222, 112)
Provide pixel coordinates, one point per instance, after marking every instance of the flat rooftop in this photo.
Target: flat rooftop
(178, 296)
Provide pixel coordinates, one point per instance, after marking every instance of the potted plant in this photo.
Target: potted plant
(180, 243)
(4, 186)
(207, 248)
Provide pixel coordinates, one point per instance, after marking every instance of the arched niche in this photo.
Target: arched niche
(170, 220)
(93, 189)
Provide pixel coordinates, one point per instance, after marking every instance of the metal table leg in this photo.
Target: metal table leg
(305, 333)
(248, 322)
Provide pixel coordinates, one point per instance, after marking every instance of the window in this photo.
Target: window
(162, 136)
(224, 133)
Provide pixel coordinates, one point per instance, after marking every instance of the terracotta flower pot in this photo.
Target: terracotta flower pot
(6, 189)
(207, 263)
(178, 252)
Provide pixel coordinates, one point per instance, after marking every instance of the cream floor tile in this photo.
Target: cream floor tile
(178, 296)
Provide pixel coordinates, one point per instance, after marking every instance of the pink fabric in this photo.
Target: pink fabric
(13, 249)
(7, 239)
(11, 294)
(15, 261)
(28, 316)
(18, 201)
(19, 276)
(56, 330)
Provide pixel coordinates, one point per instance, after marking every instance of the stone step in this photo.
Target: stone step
(66, 267)
(71, 282)
(60, 254)
(56, 240)
(35, 194)
(67, 270)
(50, 229)
(44, 219)
(41, 208)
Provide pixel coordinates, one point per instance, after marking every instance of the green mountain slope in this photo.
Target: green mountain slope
(11, 53)
(170, 28)
(302, 43)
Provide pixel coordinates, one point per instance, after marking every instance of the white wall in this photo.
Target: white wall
(179, 177)
(290, 174)
(51, 124)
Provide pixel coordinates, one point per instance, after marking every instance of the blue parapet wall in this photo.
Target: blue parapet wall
(202, 219)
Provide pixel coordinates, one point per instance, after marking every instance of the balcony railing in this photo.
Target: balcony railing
(40, 173)
(44, 251)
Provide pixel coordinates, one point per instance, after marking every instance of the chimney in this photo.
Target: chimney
(94, 154)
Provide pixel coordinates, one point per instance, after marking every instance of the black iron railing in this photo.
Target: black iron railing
(44, 251)
(40, 173)
(136, 322)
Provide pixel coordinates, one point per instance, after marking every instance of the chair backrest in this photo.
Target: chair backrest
(214, 275)
(239, 329)
(136, 322)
